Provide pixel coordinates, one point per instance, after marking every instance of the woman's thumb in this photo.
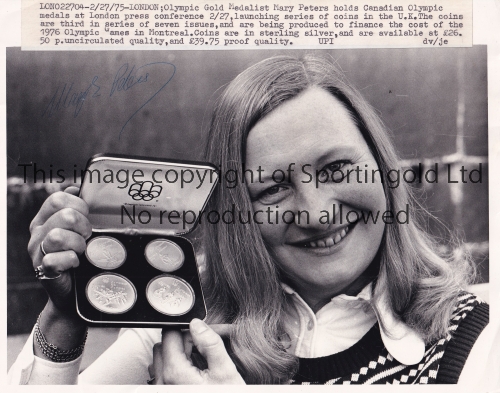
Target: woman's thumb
(211, 346)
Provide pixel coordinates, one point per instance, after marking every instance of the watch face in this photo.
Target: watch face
(111, 293)
(170, 295)
(106, 252)
(164, 255)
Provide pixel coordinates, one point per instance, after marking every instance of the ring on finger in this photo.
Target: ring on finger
(150, 380)
(42, 249)
(40, 274)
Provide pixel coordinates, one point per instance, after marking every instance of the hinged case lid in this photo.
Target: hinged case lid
(141, 195)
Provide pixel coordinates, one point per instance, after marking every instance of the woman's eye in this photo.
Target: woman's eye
(272, 190)
(336, 166)
(272, 194)
(334, 171)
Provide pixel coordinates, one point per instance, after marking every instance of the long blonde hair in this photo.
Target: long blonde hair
(243, 281)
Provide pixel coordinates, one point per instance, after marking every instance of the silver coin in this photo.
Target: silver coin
(164, 255)
(170, 295)
(106, 252)
(111, 293)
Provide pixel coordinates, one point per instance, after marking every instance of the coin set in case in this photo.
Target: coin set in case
(137, 269)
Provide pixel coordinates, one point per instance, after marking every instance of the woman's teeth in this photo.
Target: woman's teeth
(330, 240)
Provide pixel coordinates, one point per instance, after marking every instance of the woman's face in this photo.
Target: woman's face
(315, 132)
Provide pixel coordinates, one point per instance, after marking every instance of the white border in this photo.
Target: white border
(486, 31)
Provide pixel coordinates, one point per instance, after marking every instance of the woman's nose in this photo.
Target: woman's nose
(319, 205)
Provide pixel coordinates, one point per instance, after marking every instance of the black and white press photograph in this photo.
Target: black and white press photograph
(249, 217)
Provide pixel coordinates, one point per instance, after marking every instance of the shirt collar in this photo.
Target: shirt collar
(402, 342)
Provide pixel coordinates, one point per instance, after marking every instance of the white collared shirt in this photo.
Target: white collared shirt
(335, 327)
(343, 322)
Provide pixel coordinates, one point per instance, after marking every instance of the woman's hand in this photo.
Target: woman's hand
(172, 358)
(60, 227)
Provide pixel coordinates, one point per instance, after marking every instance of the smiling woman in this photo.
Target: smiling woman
(316, 128)
(285, 110)
(338, 301)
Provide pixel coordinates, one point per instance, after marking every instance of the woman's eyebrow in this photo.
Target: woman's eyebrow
(337, 152)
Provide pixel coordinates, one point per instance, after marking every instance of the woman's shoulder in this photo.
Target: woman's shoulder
(446, 357)
(443, 360)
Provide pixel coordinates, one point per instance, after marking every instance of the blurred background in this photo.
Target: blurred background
(64, 107)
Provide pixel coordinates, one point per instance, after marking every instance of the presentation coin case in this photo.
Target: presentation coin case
(138, 270)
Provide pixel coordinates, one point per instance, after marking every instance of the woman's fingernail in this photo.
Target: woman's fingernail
(198, 326)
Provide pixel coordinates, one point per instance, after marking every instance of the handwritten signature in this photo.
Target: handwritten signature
(126, 78)
(124, 81)
(70, 98)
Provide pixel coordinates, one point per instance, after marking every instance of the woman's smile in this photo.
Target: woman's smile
(325, 240)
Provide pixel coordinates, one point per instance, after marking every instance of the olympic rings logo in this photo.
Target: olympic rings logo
(144, 190)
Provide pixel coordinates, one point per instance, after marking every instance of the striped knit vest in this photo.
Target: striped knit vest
(369, 362)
